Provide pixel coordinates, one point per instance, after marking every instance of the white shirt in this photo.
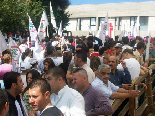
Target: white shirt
(69, 101)
(106, 89)
(90, 73)
(133, 66)
(59, 60)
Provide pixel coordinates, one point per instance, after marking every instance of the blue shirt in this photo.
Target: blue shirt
(107, 89)
(120, 77)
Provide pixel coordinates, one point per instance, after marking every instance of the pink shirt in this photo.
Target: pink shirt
(3, 69)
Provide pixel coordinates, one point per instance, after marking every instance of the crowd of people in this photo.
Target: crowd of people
(78, 77)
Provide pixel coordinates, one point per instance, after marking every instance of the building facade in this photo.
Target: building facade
(124, 15)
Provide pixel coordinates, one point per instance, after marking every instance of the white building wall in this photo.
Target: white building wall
(72, 25)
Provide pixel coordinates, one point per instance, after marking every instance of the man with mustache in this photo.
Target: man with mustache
(117, 77)
(109, 90)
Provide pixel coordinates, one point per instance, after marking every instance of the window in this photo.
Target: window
(144, 23)
(133, 21)
(93, 23)
(99, 21)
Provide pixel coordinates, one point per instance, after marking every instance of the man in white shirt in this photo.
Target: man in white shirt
(109, 90)
(68, 100)
(80, 60)
(39, 98)
(131, 63)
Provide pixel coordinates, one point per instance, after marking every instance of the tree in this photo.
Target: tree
(13, 13)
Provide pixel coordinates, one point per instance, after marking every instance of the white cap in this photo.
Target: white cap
(32, 60)
(25, 65)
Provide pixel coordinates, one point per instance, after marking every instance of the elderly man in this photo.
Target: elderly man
(110, 91)
(68, 100)
(39, 98)
(95, 102)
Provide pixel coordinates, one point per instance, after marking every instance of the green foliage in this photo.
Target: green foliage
(13, 13)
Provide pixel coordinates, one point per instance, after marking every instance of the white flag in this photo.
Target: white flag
(101, 34)
(60, 29)
(15, 50)
(42, 26)
(3, 44)
(32, 29)
(105, 25)
(147, 48)
(52, 16)
(38, 51)
(120, 37)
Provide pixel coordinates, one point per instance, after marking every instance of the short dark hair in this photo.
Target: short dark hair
(128, 51)
(50, 50)
(125, 40)
(3, 99)
(140, 45)
(80, 70)
(9, 78)
(70, 40)
(82, 54)
(42, 84)
(56, 72)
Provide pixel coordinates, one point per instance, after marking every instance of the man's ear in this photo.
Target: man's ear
(47, 94)
(13, 85)
(79, 59)
(60, 79)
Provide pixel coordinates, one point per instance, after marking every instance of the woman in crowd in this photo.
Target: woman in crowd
(30, 76)
(6, 67)
(94, 63)
(48, 63)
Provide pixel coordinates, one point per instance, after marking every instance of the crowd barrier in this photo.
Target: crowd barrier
(135, 108)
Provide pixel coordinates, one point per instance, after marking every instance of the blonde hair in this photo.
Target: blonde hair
(6, 58)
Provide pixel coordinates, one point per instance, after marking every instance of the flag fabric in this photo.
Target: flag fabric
(52, 16)
(38, 50)
(15, 51)
(120, 37)
(3, 44)
(42, 26)
(101, 34)
(105, 25)
(32, 29)
(60, 29)
(147, 48)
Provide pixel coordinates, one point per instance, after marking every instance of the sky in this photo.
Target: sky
(79, 2)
